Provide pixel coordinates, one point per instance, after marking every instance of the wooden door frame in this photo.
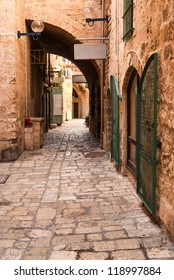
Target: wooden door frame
(77, 109)
(130, 165)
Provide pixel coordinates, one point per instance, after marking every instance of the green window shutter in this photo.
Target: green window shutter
(127, 19)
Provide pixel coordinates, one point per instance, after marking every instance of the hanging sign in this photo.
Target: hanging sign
(89, 51)
(78, 79)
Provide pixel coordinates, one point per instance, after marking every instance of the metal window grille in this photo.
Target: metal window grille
(127, 19)
(38, 56)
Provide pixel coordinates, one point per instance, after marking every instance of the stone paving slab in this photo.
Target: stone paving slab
(67, 201)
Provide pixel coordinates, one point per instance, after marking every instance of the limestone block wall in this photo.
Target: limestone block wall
(108, 32)
(34, 134)
(67, 14)
(153, 23)
(155, 34)
(12, 80)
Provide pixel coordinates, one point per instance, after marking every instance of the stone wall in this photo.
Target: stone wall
(16, 101)
(12, 81)
(153, 32)
(82, 100)
(66, 14)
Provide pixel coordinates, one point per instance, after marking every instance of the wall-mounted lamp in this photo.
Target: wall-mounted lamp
(89, 17)
(90, 21)
(37, 27)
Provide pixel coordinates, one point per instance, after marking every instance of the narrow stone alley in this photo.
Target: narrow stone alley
(67, 201)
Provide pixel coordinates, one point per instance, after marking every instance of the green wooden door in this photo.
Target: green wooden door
(115, 119)
(146, 134)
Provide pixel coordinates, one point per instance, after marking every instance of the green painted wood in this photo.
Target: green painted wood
(147, 135)
(115, 116)
(127, 19)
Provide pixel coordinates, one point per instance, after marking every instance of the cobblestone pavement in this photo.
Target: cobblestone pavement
(67, 201)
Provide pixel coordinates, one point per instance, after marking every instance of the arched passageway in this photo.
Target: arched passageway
(80, 101)
(55, 40)
(22, 81)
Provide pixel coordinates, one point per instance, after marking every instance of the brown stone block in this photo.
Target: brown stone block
(115, 234)
(105, 246)
(34, 257)
(127, 244)
(6, 243)
(94, 256)
(128, 255)
(63, 255)
(72, 238)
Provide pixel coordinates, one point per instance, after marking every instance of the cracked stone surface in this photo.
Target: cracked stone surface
(67, 201)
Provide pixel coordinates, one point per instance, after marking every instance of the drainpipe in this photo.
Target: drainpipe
(49, 85)
(101, 89)
(26, 71)
(117, 38)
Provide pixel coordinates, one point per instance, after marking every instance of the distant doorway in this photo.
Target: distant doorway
(132, 122)
(76, 110)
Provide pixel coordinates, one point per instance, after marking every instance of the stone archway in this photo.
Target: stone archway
(54, 40)
(66, 15)
(64, 25)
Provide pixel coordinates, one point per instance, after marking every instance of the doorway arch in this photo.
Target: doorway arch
(129, 123)
(133, 65)
(132, 121)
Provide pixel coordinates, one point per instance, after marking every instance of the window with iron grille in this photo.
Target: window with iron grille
(127, 19)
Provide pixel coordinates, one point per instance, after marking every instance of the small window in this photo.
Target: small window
(127, 19)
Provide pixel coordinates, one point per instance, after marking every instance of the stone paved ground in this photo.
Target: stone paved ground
(67, 201)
